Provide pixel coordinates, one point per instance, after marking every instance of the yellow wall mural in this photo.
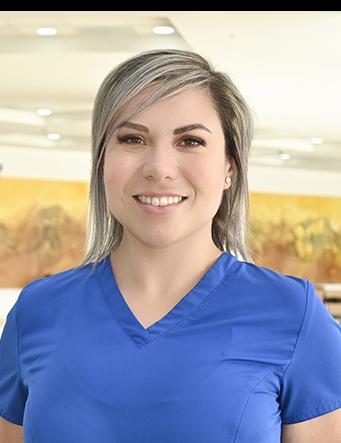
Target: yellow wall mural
(43, 231)
(42, 228)
(297, 235)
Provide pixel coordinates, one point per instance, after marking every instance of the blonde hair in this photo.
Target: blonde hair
(175, 71)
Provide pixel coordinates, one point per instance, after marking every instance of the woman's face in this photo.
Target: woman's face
(158, 158)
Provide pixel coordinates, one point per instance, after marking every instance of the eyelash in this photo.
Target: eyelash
(123, 139)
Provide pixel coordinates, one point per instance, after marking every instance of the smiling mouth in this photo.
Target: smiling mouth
(135, 197)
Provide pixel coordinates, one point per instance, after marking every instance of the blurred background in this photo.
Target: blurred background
(286, 64)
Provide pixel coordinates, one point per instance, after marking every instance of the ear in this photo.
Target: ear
(230, 166)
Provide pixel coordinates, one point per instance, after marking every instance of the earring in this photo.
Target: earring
(229, 180)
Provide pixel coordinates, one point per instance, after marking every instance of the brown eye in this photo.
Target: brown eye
(194, 142)
(129, 137)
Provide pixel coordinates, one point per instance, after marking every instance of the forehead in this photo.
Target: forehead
(193, 101)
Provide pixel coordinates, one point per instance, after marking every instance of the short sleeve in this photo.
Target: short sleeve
(13, 393)
(311, 383)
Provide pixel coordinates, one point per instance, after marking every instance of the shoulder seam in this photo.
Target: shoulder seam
(18, 331)
(18, 341)
(301, 327)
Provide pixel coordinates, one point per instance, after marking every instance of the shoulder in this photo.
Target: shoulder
(274, 288)
(270, 303)
(269, 310)
(43, 295)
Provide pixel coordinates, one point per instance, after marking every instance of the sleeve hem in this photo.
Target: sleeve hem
(313, 414)
(11, 418)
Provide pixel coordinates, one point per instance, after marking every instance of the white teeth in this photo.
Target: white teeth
(163, 201)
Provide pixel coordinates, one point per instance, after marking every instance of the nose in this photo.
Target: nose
(161, 162)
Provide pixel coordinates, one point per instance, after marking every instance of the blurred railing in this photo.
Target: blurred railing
(330, 294)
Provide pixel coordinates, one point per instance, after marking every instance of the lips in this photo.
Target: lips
(159, 196)
(135, 196)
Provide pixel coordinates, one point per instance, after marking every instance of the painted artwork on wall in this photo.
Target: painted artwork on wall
(42, 228)
(297, 235)
(43, 231)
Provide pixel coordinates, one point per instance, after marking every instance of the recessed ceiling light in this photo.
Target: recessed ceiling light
(44, 111)
(284, 156)
(53, 136)
(47, 31)
(163, 30)
(316, 140)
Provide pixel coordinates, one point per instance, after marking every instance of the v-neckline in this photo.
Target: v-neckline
(127, 319)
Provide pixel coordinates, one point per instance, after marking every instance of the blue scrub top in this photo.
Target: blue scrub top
(246, 350)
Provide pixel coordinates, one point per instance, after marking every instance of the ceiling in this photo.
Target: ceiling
(286, 64)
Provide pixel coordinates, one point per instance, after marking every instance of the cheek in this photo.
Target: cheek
(208, 176)
(110, 181)
(116, 171)
(112, 177)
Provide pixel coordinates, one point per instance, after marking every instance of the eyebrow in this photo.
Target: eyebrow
(179, 130)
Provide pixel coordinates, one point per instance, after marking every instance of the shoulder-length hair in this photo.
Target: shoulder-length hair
(174, 71)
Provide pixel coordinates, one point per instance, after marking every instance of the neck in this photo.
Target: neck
(153, 274)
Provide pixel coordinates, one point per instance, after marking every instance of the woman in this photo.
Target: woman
(162, 334)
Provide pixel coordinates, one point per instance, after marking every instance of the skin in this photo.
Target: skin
(325, 428)
(155, 248)
(10, 433)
